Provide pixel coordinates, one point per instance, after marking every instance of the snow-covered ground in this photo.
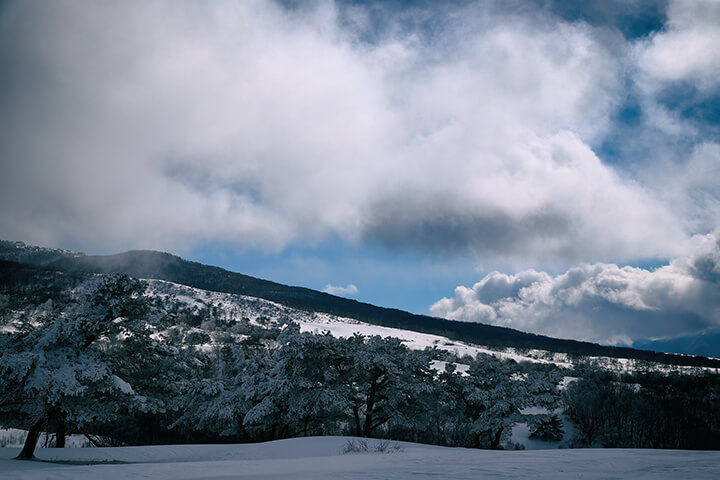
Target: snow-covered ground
(322, 458)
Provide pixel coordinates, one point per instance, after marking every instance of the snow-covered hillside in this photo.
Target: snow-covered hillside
(323, 458)
(236, 307)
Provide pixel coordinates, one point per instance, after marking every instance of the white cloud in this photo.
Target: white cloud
(348, 291)
(687, 49)
(600, 302)
(168, 124)
(692, 188)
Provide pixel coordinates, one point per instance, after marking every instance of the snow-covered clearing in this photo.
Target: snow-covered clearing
(322, 458)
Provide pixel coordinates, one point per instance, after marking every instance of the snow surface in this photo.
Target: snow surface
(322, 458)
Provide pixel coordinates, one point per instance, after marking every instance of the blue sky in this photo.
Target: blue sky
(552, 166)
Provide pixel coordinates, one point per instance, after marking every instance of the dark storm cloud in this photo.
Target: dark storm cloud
(440, 226)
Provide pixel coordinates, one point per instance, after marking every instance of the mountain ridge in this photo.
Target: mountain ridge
(166, 266)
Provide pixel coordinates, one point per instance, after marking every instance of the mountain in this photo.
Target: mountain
(164, 266)
(704, 344)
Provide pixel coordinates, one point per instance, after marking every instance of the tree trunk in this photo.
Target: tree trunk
(495, 439)
(60, 435)
(244, 433)
(306, 424)
(356, 413)
(367, 428)
(28, 450)
(93, 441)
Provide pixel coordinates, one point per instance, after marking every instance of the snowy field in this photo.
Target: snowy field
(323, 458)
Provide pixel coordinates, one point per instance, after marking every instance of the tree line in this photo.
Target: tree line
(645, 410)
(97, 364)
(102, 358)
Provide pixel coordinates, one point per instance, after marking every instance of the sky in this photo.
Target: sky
(551, 166)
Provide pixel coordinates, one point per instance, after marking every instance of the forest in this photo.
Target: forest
(96, 355)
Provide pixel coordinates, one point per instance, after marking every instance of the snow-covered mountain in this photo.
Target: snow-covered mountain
(304, 302)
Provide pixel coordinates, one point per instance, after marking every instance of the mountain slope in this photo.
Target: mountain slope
(164, 266)
(704, 344)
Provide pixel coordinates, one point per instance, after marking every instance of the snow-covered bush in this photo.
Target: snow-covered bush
(356, 446)
(364, 446)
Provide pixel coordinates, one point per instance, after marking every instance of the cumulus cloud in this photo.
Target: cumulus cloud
(687, 49)
(601, 302)
(169, 124)
(692, 186)
(666, 132)
(348, 291)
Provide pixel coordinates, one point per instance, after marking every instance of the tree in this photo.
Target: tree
(64, 368)
(587, 402)
(385, 381)
(493, 395)
(550, 428)
(216, 400)
(307, 375)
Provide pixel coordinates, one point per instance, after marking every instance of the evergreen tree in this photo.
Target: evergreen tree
(61, 370)
(549, 428)
(385, 381)
(492, 396)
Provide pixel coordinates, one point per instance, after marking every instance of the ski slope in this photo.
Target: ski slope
(322, 458)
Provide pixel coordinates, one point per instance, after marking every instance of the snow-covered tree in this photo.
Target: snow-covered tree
(385, 380)
(217, 399)
(307, 376)
(67, 367)
(298, 391)
(492, 396)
